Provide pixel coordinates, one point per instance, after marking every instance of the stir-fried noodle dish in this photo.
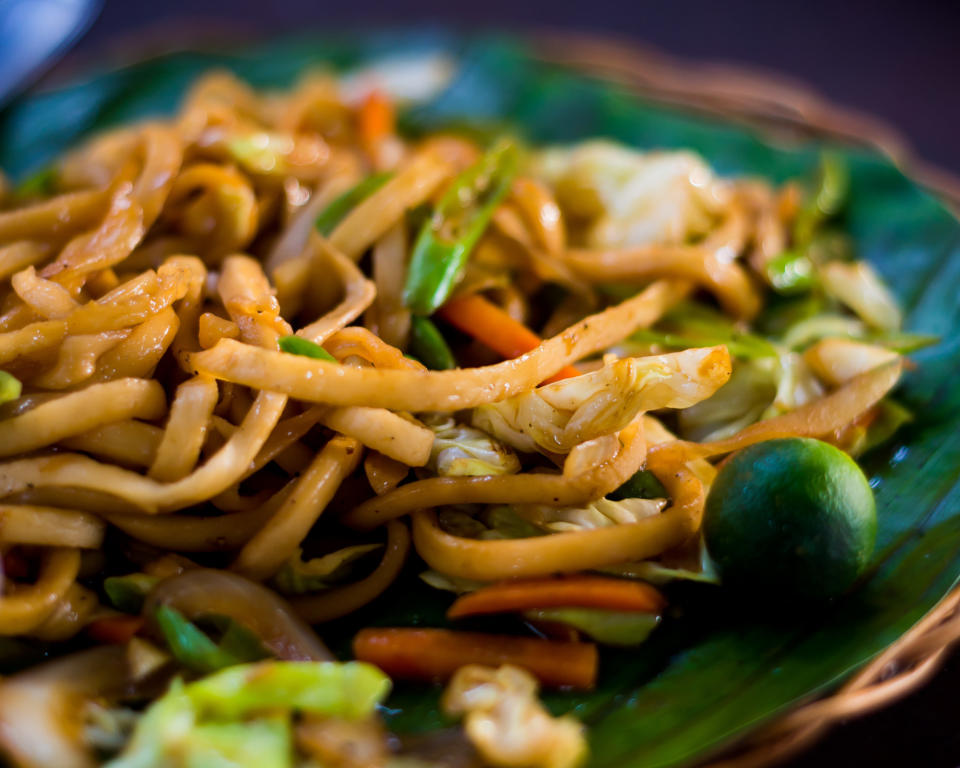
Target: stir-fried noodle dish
(266, 359)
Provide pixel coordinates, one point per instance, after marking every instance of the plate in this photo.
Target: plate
(719, 670)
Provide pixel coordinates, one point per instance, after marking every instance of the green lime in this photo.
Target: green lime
(795, 517)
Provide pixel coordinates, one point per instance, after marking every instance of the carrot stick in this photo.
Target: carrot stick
(560, 592)
(435, 654)
(115, 630)
(490, 325)
(375, 120)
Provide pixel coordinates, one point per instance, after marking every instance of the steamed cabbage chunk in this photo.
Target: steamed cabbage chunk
(240, 716)
(557, 417)
(460, 450)
(506, 722)
(625, 197)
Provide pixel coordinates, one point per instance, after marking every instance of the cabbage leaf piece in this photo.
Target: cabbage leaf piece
(859, 287)
(631, 198)
(241, 717)
(557, 417)
(460, 450)
(507, 723)
(298, 576)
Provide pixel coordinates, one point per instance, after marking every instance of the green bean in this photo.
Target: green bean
(299, 346)
(337, 210)
(449, 235)
(428, 345)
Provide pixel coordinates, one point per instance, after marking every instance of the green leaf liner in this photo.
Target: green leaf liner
(704, 679)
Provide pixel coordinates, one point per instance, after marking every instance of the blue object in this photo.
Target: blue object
(34, 33)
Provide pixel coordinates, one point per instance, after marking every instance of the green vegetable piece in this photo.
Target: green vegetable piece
(890, 417)
(10, 387)
(349, 690)
(691, 324)
(793, 519)
(750, 390)
(782, 312)
(298, 577)
(659, 574)
(830, 245)
(460, 450)
(745, 345)
(164, 727)
(428, 345)
(446, 583)
(260, 152)
(642, 485)
(127, 593)
(809, 330)
(176, 730)
(237, 641)
(827, 200)
(446, 240)
(606, 627)
(194, 649)
(168, 734)
(802, 334)
(296, 345)
(338, 209)
(503, 522)
(459, 523)
(790, 273)
(265, 743)
(39, 184)
(618, 291)
(903, 342)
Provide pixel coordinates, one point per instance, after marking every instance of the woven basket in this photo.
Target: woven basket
(787, 109)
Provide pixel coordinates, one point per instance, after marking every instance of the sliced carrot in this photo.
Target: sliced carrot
(560, 592)
(376, 119)
(435, 654)
(115, 630)
(490, 325)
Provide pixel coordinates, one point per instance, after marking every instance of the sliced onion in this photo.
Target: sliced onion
(41, 709)
(204, 592)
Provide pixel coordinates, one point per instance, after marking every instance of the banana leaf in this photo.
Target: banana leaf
(721, 669)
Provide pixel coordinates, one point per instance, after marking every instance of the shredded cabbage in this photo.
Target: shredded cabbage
(241, 717)
(626, 197)
(557, 417)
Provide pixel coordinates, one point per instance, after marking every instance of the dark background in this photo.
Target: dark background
(898, 60)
